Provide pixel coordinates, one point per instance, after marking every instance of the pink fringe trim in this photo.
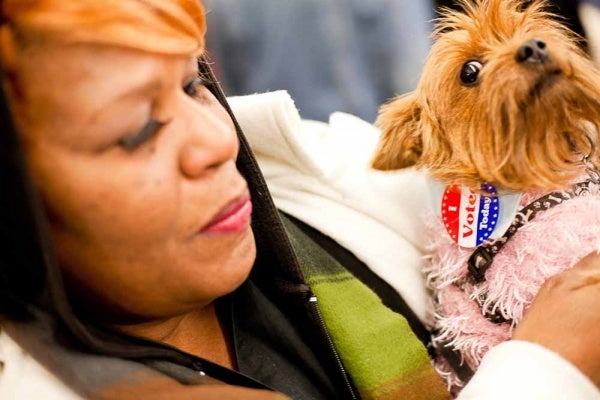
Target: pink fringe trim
(554, 241)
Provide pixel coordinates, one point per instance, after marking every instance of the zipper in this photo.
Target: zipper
(338, 360)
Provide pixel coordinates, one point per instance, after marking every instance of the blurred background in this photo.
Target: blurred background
(338, 55)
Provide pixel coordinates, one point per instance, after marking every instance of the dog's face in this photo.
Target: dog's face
(506, 97)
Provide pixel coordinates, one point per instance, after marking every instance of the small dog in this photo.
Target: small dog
(507, 113)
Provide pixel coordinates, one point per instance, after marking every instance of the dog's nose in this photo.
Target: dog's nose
(534, 51)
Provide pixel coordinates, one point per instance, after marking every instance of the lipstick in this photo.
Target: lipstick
(234, 218)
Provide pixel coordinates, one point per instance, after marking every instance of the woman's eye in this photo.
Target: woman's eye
(148, 131)
(192, 87)
(469, 75)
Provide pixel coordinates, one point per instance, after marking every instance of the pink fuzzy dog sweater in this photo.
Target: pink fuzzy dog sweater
(553, 241)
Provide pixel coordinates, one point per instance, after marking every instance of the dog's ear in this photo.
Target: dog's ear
(400, 144)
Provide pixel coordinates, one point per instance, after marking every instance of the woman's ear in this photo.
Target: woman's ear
(400, 143)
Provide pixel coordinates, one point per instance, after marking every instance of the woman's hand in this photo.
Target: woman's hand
(565, 316)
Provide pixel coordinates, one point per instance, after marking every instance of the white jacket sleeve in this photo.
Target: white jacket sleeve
(319, 173)
(519, 370)
(22, 377)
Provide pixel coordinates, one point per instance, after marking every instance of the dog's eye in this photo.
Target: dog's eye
(469, 75)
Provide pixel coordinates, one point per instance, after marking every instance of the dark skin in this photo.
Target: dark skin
(162, 388)
(575, 321)
(131, 226)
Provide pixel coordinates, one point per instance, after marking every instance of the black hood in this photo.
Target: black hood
(31, 287)
(26, 261)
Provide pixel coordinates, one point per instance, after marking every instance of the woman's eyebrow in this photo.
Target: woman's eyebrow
(142, 91)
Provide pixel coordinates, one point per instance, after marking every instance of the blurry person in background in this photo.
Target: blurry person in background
(589, 13)
(360, 53)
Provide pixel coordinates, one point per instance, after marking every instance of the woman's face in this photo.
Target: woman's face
(135, 162)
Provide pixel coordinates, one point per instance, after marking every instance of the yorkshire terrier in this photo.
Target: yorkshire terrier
(505, 121)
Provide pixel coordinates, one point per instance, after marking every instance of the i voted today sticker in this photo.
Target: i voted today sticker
(469, 216)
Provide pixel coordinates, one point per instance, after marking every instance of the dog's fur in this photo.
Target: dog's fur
(522, 126)
(525, 127)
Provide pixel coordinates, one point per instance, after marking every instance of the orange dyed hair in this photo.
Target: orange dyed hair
(161, 26)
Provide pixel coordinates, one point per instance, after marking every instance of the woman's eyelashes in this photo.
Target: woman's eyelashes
(192, 88)
(131, 142)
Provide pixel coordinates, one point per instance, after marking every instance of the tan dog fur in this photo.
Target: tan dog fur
(522, 125)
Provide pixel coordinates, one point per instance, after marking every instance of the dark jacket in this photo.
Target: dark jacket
(279, 339)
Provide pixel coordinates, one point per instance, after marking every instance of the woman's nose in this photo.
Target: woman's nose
(210, 142)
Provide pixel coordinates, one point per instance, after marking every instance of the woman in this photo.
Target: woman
(130, 268)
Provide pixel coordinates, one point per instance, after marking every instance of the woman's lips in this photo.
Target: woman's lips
(234, 218)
